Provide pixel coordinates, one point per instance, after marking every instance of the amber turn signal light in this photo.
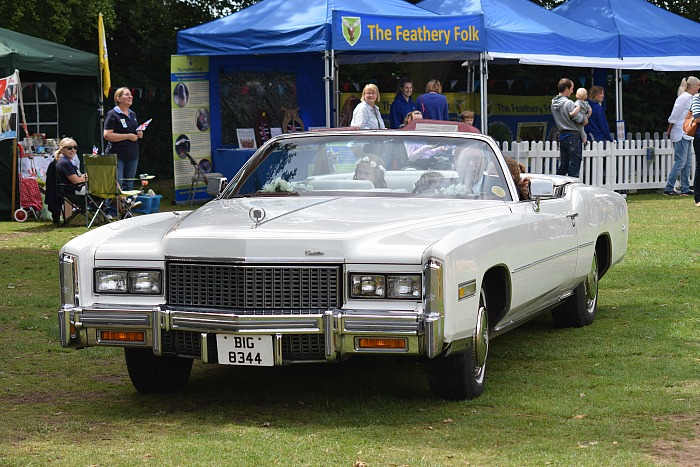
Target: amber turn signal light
(123, 336)
(372, 343)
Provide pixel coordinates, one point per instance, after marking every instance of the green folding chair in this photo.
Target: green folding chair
(103, 190)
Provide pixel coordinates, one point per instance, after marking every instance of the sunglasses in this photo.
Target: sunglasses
(75, 148)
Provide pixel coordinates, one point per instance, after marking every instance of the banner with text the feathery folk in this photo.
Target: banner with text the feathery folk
(377, 33)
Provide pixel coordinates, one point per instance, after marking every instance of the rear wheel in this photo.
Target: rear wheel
(579, 310)
(461, 375)
(152, 374)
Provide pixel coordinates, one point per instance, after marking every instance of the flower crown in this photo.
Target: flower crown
(373, 164)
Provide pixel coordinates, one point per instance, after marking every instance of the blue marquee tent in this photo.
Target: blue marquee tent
(649, 37)
(523, 31)
(306, 38)
(284, 27)
(517, 28)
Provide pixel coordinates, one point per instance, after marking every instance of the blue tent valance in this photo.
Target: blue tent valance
(352, 31)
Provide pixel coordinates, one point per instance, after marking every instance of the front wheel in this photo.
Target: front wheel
(21, 215)
(460, 376)
(152, 374)
(579, 310)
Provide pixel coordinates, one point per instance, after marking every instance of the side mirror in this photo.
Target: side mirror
(541, 188)
(216, 185)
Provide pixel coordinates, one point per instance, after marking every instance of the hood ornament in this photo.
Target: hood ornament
(257, 215)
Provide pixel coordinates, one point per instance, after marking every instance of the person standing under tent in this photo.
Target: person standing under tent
(366, 115)
(597, 127)
(122, 138)
(570, 145)
(403, 103)
(682, 143)
(433, 104)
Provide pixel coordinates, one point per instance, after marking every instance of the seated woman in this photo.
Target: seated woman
(68, 173)
(470, 163)
(516, 169)
(370, 167)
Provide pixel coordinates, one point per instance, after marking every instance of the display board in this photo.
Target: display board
(189, 86)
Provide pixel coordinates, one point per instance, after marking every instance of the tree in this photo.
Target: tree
(141, 37)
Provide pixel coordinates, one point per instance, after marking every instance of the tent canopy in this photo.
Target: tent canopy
(280, 26)
(23, 52)
(517, 28)
(649, 36)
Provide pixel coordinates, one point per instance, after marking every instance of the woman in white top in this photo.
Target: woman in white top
(682, 143)
(366, 115)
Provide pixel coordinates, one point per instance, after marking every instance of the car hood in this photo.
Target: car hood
(350, 229)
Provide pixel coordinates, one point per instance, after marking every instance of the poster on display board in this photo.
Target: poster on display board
(189, 86)
(8, 106)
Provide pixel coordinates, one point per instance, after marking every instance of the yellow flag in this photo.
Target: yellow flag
(104, 58)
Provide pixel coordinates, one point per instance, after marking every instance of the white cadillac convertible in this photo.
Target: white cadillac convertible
(336, 244)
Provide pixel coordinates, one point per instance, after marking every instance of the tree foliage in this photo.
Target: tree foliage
(141, 37)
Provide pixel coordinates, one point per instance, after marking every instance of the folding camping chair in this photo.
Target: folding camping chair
(199, 176)
(103, 190)
(59, 196)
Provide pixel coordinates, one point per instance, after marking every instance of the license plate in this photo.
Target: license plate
(245, 350)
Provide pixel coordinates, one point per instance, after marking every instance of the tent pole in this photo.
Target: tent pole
(327, 78)
(336, 93)
(484, 75)
(101, 113)
(618, 94)
(15, 172)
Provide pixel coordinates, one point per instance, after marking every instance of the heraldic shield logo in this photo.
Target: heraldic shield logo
(352, 28)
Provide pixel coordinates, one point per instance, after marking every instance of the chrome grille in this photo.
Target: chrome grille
(254, 289)
(301, 347)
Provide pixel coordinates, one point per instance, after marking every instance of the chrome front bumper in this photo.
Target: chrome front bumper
(81, 327)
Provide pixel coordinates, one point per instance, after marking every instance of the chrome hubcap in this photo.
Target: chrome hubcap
(592, 286)
(481, 341)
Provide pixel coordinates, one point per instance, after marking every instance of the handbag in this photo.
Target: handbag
(690, 126)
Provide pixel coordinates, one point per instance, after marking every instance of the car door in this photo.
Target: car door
(552, 253)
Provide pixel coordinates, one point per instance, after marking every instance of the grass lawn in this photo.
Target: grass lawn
(623, 391)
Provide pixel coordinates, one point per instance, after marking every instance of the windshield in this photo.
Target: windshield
(373, 165)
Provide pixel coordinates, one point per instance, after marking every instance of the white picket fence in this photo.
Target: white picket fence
(634, 164)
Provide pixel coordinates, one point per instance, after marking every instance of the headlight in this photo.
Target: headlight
(128, 281)
(404, 287)
(144, 282)
(393, 286)
(367, 286)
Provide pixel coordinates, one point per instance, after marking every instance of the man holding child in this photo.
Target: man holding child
(566, 118)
